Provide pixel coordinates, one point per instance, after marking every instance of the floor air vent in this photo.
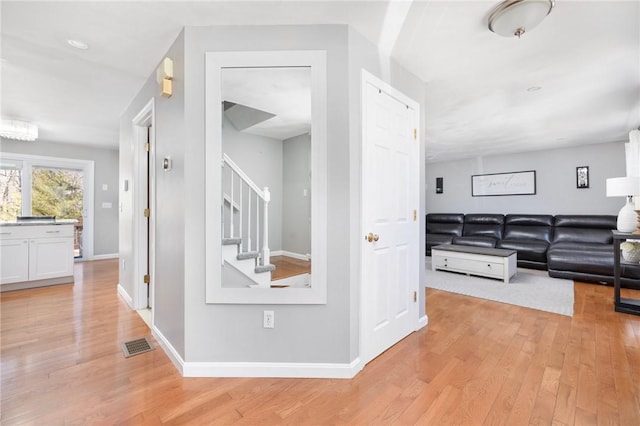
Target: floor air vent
(136, 347)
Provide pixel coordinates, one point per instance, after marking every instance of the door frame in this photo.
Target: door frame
(144, 119)
(368, 78)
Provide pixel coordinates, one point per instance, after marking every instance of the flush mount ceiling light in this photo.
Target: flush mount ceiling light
(78, 44)
(18, 130)
(515, 17)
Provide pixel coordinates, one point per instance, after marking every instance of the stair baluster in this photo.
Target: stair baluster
(251, 243)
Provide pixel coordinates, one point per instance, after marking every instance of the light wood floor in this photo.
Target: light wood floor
(288, 267)
(477, 362)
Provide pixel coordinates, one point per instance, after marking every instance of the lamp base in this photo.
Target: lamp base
(627, 217)
(637, 231)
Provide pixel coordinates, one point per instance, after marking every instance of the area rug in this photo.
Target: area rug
(528, 288)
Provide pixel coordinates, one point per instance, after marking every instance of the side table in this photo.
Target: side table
(622, 304)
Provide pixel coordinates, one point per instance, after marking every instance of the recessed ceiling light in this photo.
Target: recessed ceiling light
(78, 44)
(533, 88)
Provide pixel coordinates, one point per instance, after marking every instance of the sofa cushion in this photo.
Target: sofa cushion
(528, 227)
(529, 219)
(592, 229)
(531, 250)
(476, 240)
(589, 258)
(484, 225)
(437, 239)
(445, 223)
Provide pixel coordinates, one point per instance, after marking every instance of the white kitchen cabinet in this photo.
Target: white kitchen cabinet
(14, 261)
(35, 255)
(50, 258)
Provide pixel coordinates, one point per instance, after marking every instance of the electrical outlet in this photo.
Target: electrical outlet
(268, 319)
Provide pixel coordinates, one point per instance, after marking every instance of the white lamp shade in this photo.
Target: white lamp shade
(623, 186)
(514, 17)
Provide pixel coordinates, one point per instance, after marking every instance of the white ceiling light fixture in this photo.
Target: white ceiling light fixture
(78, 44)
(18, 130)
(515, 17)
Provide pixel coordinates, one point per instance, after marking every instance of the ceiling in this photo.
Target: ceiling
(584, 60)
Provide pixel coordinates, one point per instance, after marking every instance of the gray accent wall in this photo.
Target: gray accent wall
(296, 202)
(105, 227)
(364, 55)
(203, 332)
(556, 191)
(303, 333)
(260, 158)
(172, 190)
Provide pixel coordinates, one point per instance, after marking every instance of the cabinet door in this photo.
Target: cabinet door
(14, 261)
(50, 258)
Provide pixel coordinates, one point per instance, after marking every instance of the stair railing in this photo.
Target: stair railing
(242, 205)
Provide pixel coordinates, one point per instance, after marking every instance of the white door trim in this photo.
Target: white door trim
(368, 78)
(145, 118)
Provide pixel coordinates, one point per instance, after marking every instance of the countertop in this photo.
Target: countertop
(40, 222)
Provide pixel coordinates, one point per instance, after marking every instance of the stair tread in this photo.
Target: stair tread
(248, 255)
(264, 268)
(231, 241)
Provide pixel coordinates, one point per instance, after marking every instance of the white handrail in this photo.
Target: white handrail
(265, 196)
(243, 175)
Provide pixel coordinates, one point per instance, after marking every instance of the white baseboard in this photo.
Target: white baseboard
(98, 257)
(257, 369)
(422, 322)
(168, 349)
(105, 256)
(123, 293)
(273, 369)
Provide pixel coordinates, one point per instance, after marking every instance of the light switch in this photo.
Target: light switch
(105, 187)
(107, 205)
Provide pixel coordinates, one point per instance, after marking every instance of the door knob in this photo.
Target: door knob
(371, 237)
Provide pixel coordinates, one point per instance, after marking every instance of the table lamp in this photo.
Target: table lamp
(625, 187)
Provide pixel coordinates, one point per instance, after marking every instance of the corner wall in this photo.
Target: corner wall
(364, 55)
(556, 191)
(234, 333)
(169, 213)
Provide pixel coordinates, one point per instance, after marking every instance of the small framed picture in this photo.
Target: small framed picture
(582, 177)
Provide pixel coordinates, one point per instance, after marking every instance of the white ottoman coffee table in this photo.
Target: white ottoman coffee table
(482, 261)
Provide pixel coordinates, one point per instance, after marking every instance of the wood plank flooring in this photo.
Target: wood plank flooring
(288, 267)
(476, 363)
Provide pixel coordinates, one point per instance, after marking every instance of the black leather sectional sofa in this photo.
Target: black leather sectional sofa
(578, 247)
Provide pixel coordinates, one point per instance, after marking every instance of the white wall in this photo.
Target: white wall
(556, 191)
(105, 226)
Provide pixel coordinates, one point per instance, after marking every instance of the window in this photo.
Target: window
(45, 186)
(10, 190)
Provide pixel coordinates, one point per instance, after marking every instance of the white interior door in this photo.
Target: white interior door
(390, 200)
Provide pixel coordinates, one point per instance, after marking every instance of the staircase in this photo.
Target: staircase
(245, 230)
(247, 262)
